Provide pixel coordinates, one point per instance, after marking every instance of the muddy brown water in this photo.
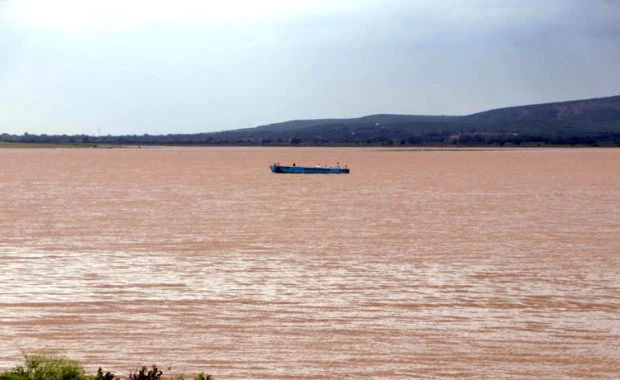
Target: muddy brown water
(455, 264)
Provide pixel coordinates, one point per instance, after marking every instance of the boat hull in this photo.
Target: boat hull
(307, 170)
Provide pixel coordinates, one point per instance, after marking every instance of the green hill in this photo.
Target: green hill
(587, 110)
(590, 121)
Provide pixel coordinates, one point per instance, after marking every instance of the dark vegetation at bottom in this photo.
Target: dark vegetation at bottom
(45, 367)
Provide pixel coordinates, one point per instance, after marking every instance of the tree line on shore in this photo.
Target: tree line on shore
(441, 137)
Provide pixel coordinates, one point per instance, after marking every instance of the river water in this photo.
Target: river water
(419, 264)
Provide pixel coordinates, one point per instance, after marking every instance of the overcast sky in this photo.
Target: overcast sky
(158, 67)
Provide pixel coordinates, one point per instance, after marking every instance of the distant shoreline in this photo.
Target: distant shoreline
(417, 148)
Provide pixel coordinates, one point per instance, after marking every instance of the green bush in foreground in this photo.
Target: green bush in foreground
(42, 367)
(45, 367)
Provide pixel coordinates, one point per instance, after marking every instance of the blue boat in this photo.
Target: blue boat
(276, 168)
